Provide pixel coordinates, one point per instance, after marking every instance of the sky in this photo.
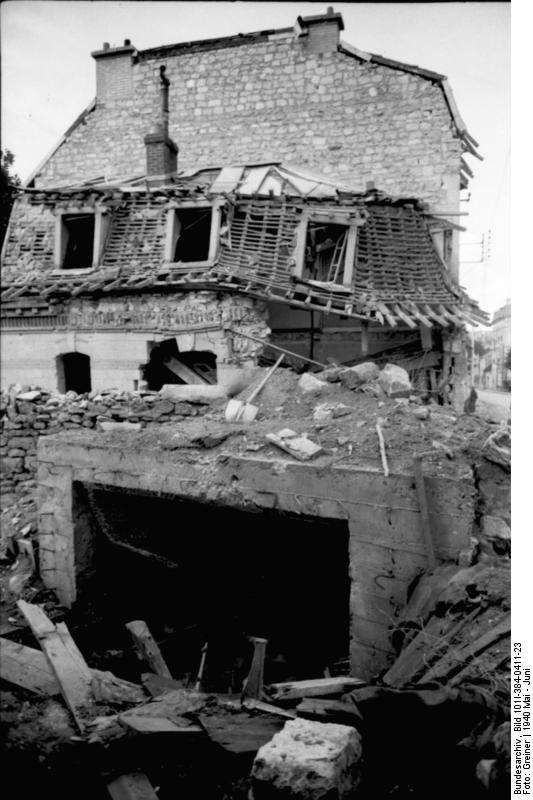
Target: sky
(48, 77)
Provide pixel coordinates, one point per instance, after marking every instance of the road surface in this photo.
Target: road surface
(494, 404)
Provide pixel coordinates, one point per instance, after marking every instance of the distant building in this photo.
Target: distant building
(492, 352)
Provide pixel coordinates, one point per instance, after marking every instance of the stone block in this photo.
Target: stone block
(120, 426)
(496, 528)
(352, 377)
(497, 448)
(162, 407)
(203, 395)
(394, 381)
(308, 760)
(22, 442)
(308, 384)
(10, 465)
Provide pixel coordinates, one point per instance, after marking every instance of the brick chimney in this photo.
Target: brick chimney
(114, 72)
(161, 151)
(320, 33)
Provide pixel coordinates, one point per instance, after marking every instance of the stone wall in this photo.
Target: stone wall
(23, 421)
(274, 99)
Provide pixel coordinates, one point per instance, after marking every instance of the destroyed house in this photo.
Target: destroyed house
(127, 264)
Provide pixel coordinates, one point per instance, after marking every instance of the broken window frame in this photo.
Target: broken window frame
(350, 221)
(172, 233)
(101, 227)
(442, 236)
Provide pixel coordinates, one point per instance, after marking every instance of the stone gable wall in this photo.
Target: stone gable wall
(328, 112)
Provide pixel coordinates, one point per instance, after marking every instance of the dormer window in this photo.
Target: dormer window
(79, 241)
(78, 232)
(325, 253)
(192, 234)
(193, 231)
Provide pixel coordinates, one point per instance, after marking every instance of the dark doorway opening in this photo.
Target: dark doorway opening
(73, 373)
(222, 575)
(194, 233)
(79, 232)
(168, 365)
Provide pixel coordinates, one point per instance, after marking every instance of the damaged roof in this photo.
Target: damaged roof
(399, 277)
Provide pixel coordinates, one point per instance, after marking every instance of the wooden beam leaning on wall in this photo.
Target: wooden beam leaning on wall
(67, 663)
(147, 648)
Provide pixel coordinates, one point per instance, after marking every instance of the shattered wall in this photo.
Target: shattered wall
(116, 332)
(273, 100)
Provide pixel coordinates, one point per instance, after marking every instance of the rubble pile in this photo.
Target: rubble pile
(315, 738)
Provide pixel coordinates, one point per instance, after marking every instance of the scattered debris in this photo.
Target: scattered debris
(497, 448)
(328, 411)
(308, 384)
(300, 447)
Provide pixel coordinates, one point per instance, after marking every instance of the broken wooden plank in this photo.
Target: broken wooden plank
(258, 705)
(147, 648)
(141, 724)
(416, 655)
(253, 684)
(317, 687)
(327, 710)
(461, 655)
(183, 372)
(27, 668)
(382, 451)
(133, 786)
(67, 663)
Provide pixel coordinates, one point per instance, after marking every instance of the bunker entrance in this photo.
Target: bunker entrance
(203, 573)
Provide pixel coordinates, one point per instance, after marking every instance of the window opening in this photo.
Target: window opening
(73, 373)
(325, 252)
(193, 227)
(78, 230)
